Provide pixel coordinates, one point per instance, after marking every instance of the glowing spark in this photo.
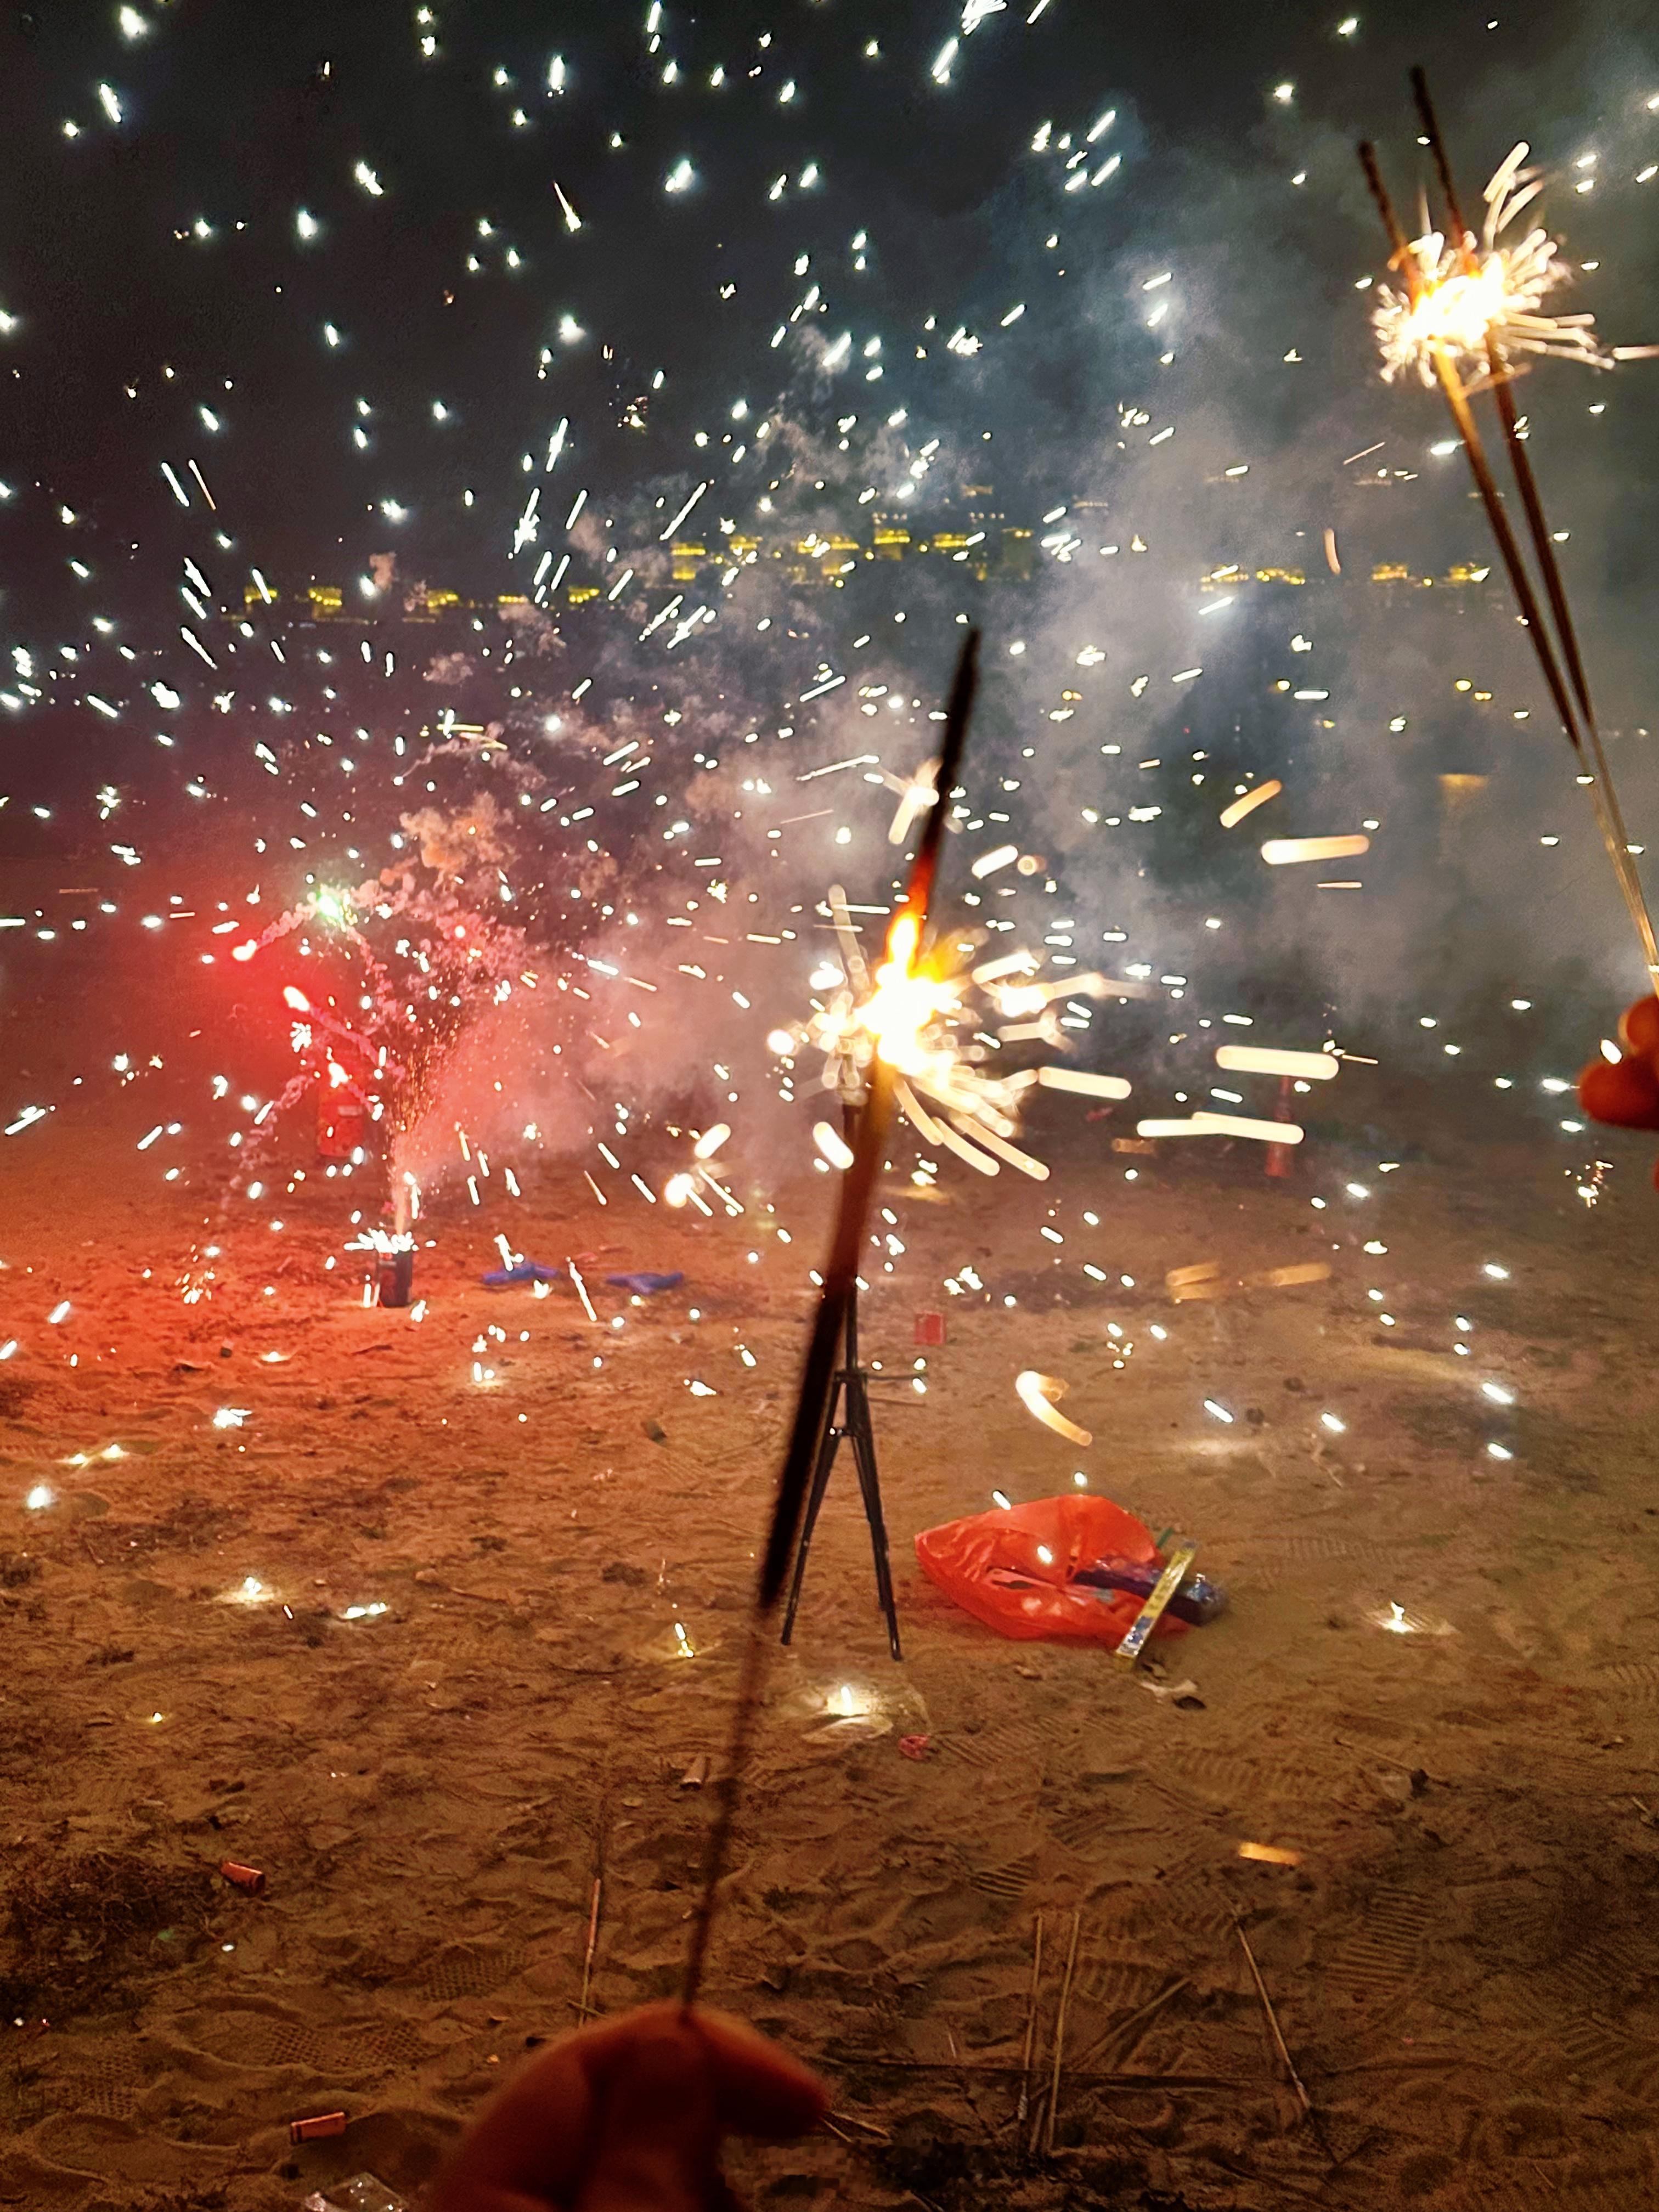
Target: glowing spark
(1449, 312)
(664, 535)
(1233, 814)
(833, 1146)
(1285, 851)
(1264, 1059)
(1037, 1394)
(989, 863)
(1077, 1079)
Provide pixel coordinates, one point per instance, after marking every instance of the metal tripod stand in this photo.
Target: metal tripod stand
(848, 1421)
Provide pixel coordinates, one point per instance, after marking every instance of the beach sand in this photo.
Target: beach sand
(1437, 1684)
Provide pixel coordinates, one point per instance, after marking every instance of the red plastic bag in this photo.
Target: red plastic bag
(1013, 1570)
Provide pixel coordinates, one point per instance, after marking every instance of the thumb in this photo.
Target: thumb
(657, 2146)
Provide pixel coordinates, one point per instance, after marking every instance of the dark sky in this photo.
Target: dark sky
(237, 114)
(186, 189)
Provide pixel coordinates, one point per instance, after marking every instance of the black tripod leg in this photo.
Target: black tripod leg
(826, 1459)
(864, 1453)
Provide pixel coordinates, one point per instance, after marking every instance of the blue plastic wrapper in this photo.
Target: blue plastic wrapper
(525, 1271)
(1197, 1601)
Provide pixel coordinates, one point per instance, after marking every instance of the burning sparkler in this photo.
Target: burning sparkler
(928, 1017)
(1440, 332)
(1479, 304)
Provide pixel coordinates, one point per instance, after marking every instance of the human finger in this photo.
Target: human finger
(657, 2136)
(536, 2140)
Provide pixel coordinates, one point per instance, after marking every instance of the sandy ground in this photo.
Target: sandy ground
(1460, 1964)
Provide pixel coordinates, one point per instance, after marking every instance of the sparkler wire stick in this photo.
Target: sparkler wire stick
(1060, 2038)
(840, 1282)
(1607, 817)
(1458, 402)
(1302, 2096)
(1030, 2026)
(1604, 797)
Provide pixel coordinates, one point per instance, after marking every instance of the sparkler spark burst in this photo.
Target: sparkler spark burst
(926, 1015)
(1463, 297)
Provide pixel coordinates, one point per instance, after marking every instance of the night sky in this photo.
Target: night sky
(849, 224)
(235, 115)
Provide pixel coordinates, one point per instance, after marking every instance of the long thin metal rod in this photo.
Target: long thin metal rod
(1030, 2027)
(1484, 482)
(593, 1941)
(1060, 2036)
(1122, 2035)
(1610, 820)
(1604, 796)
(1302, 2098)
(819, 1370)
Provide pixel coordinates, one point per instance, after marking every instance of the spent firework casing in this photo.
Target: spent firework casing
(320, 2123)
(1152, 1611)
